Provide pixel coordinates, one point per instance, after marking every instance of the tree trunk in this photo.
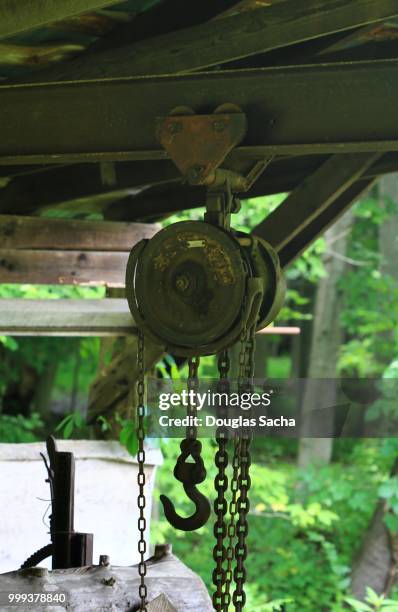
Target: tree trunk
(377, 562)
(326, 340)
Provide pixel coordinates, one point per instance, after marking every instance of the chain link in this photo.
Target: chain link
(231, 532)
(221, 486)
(193, 386)
(142, 569)
(246, 373)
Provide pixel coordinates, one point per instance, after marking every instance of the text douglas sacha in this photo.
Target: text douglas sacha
(230, 422)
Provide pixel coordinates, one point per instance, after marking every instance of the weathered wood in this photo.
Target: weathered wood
(330, 215)
(111, 588)
(312, 197)
(224, 40)
(108, 317)
(115, 384)
(59, 186)
(63, 267)
(161, 604)
(27, 14)
(58, 251)
(65, 234)
(102, 120)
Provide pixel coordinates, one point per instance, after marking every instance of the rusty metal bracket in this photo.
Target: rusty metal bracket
(198, 144)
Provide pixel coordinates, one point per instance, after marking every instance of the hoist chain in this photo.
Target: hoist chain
(246, 373)
(193, 385)
(237, 529)
(142, 590)
(231, 532)
(221, 485)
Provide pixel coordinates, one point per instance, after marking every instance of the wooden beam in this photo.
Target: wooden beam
(224, 40)
(112, 389)
(39, 267)
(58, 251)
(312, 197)
(289, 253)
(43, 190)
(115, 119)
(21, 15)
(106, 317)
(41, 233)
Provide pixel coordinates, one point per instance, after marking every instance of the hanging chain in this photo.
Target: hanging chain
(142, 590)
(193, 386)
(221, 485)
(231, 532)
(246, 372)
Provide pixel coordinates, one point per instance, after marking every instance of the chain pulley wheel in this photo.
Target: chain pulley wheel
(192, 286)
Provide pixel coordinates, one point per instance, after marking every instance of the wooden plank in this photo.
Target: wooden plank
(65, 234)
(107, 317)
(91, 588)
(224, 40)
(40, 267)
(312, 197)
(116, 118)
(21, 15)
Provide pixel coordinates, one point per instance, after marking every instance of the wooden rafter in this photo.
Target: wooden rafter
(315, 204)
(330, 215)
(312, 197)
(224, 40)
(21, 15)
(38, 191)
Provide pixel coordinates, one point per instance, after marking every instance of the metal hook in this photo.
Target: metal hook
(190, 474)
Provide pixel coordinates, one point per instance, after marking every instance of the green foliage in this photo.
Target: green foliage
(372, 603)
(71, 423)
(305, 527)
(128, 436)
(370, 298)
(19, 428)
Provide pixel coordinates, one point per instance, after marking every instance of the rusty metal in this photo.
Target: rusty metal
(198, 144)
(190, 473)
(68, 547)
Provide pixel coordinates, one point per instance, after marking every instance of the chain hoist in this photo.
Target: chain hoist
(198, 288)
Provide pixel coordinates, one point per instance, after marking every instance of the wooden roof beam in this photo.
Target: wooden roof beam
(21, 15)
(225, 40)
(293, 249)
(38, 191)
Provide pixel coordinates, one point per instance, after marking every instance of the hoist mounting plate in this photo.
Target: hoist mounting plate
(198, 144)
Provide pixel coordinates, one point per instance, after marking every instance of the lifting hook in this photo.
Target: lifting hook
(190, 474)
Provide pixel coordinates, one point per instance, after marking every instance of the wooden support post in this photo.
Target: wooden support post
(113, 389)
